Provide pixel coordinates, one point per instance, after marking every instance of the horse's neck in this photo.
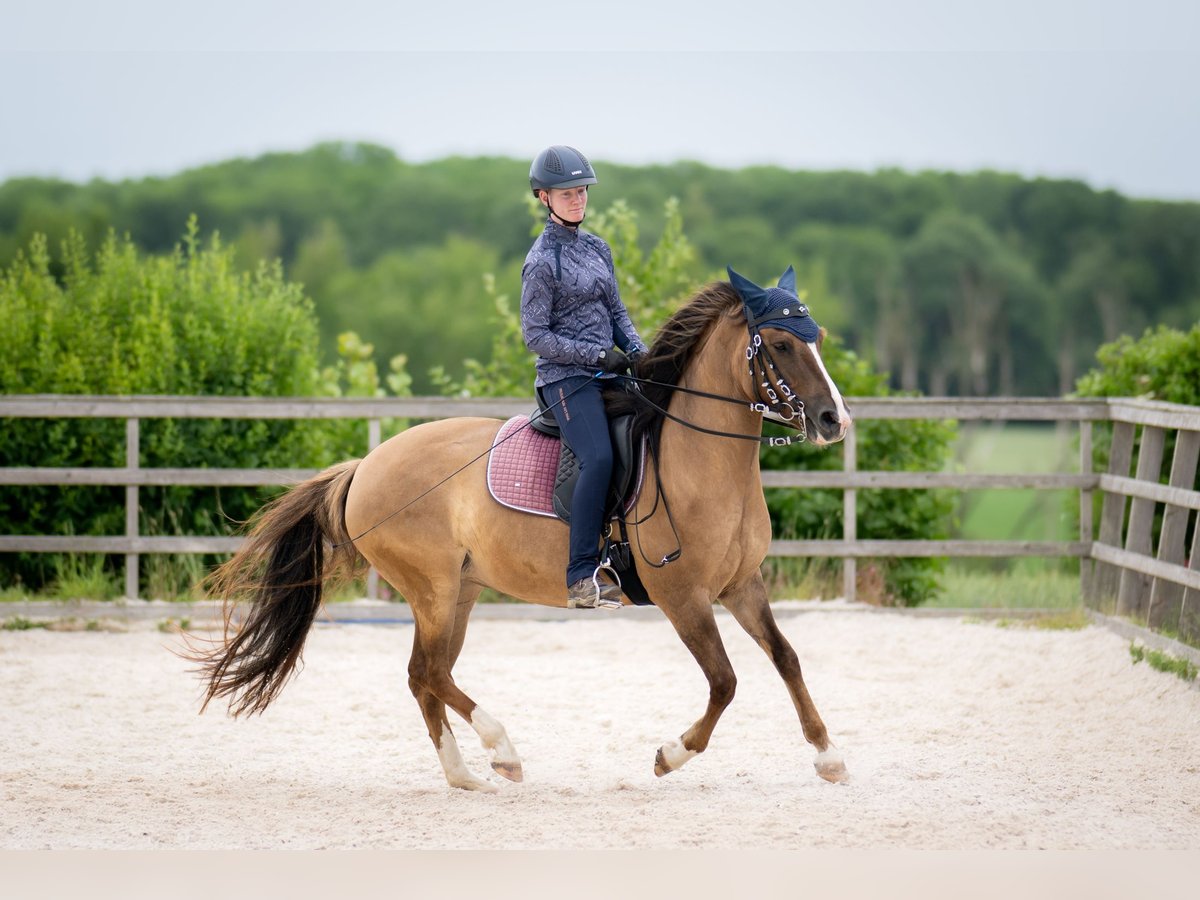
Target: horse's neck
(733, 461)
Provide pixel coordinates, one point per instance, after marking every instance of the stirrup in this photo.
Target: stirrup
(608, 596)
(603, 595)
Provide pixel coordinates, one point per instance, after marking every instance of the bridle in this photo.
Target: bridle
(762, 366)
(762, 369)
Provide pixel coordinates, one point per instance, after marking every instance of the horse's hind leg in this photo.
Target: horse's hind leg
(440, 631)
(434, 710)
(749, 605)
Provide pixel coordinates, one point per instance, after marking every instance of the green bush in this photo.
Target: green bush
(183, 323)
(1164, 364)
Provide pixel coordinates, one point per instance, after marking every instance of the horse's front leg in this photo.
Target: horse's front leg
(749, 605)
(697, 629)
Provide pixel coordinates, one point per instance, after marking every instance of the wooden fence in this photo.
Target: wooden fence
(1121, 569)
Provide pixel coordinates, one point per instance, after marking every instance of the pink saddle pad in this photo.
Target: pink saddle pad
(522, 466)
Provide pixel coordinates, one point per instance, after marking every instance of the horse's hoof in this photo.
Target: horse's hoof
(660, 765)
(511, 771)
(831, 767)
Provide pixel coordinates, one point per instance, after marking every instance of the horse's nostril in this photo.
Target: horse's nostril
(829, 419)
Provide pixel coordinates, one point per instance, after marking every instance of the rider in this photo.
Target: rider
(571, 317)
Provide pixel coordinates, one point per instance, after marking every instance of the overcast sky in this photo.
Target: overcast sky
(1110, 95)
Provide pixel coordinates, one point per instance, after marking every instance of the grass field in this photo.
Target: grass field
(1013, 515)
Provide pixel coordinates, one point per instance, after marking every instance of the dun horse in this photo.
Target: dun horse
(442, 550)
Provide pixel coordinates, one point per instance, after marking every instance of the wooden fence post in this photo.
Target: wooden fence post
(1085, 514)
(1105, 577)
(132, 461)
(850, 516)
(1134, 597)
(1166, 597)
(1189, 611)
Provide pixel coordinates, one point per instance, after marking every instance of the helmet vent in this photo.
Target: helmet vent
(583, 159)
(554, 162)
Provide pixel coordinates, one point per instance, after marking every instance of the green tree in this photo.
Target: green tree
(1134, 259)
(427, 303)
(969, 290)
(1163, 364)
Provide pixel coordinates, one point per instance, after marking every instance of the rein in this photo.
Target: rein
(755, 407)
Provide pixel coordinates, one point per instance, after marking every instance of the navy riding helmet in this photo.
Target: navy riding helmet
(560, 166)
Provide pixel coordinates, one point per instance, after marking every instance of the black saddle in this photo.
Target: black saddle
(625, 462)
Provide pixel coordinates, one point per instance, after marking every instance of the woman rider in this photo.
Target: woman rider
(572, 317)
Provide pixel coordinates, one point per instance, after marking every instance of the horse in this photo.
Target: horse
(442, 550)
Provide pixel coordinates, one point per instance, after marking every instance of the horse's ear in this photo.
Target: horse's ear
(750, 292)
(787, 280)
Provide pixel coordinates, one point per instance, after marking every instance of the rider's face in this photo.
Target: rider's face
(567, 203)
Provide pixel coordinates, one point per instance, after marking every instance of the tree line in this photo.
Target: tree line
(964, 284)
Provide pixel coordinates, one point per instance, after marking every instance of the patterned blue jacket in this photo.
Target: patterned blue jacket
(570, 306)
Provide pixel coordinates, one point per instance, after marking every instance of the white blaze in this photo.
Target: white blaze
(839, 404)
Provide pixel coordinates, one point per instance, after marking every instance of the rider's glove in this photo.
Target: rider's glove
(612, 361)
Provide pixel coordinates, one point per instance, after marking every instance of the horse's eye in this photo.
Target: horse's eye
(780, 346)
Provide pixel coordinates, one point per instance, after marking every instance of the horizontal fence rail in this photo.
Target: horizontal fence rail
(1121, 570)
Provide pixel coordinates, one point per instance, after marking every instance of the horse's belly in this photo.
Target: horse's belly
(519, 554)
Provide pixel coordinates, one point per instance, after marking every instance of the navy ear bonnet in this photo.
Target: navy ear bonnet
(776, 307)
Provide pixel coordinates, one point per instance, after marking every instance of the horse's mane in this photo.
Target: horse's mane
(669, 355)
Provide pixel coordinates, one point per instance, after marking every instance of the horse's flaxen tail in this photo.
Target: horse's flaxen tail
(280, 571)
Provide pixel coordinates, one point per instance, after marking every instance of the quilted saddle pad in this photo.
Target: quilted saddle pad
(523, 469)
(522, 466)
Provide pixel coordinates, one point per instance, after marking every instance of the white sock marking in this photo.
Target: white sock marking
(451, 758)
(493, 737)
(675, 754)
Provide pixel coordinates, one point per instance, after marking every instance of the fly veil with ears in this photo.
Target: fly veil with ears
(776, 307)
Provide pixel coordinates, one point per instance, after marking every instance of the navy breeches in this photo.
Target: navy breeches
(584, 425)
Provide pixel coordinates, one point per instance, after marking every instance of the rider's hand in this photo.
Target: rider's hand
(613, 361)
